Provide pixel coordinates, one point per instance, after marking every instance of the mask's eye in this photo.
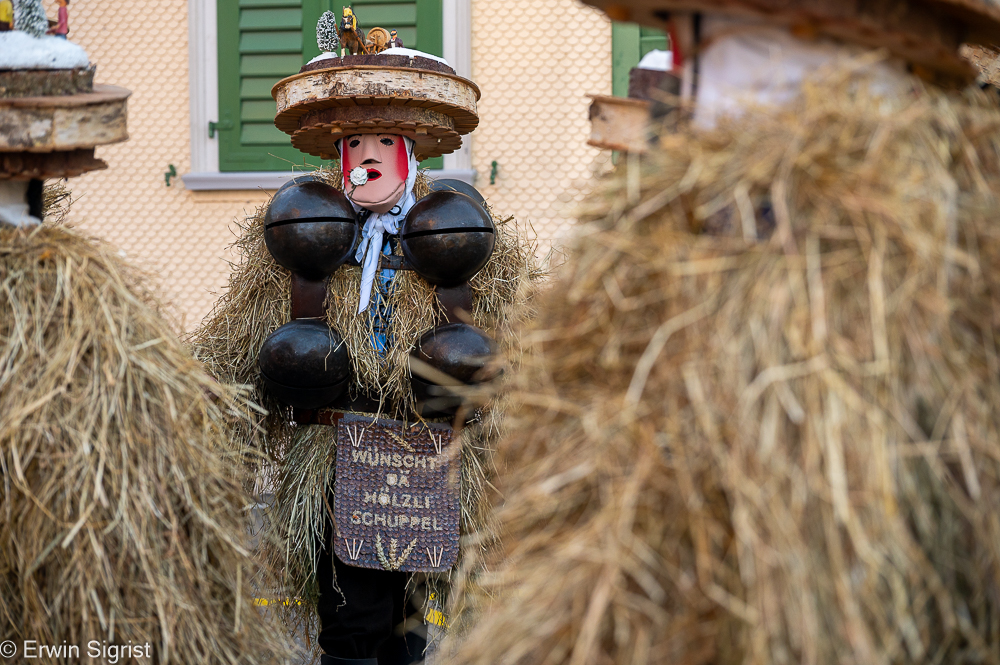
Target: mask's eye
(388, 141)
(355, 143)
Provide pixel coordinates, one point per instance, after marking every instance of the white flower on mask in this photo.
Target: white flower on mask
(359, 176)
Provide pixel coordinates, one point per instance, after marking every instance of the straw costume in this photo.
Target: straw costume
(365, 310)
(760, 420)
(122, 526)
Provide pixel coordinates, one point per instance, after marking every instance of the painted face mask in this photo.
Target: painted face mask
(375, 169)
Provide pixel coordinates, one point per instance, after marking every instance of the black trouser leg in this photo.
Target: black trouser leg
(357, 624)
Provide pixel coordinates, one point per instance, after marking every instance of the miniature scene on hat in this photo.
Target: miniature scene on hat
(351, 38)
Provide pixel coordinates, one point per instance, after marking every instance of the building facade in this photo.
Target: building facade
(202, 151)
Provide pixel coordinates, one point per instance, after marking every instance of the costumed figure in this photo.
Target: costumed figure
(351, 35)
(761, 421)
(61, 28)
(365, 312)
(122, 526)
(6, 15)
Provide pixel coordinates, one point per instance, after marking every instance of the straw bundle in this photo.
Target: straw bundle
(121, 506)
(257, 302)
(775, 442)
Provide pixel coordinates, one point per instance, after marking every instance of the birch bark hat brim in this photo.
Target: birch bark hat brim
(54, 116)
(417, 97)
(927, 33)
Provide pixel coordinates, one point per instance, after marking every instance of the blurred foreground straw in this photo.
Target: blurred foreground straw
(758, 421)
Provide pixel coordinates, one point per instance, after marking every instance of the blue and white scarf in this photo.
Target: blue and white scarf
(373, 243)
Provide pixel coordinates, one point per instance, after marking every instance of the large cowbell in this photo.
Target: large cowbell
(447, 238)
(310, 228)
(458, 350)
(305, 364)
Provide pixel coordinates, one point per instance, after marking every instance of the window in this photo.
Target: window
(207, 27)
(263, 41)
(629, 42)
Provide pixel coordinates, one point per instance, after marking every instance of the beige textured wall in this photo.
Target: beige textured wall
(178, 235)
(534, 60)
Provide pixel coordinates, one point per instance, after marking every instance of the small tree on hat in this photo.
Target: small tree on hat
(29, 16)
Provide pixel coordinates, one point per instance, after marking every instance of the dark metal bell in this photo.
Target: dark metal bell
(310, 229)
(453, 185)
(305, 364)
(447, 237)
(300, 179)
(459, 350)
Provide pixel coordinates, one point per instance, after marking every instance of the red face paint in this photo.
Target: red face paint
(345, 162)
(402, 159)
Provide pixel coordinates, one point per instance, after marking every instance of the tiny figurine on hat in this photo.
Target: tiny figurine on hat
(6, 15)
(351, 35)
(383, 294)
(61, 28)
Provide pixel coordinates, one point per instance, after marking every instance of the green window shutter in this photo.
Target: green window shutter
(629, 42)
(263, 41)
(260, 42)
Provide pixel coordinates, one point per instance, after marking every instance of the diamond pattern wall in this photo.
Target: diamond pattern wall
(179, 236)
(535, 61)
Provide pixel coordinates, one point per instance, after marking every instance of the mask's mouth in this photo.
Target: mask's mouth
(373, 175)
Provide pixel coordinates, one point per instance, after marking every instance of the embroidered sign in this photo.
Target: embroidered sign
(396, 495)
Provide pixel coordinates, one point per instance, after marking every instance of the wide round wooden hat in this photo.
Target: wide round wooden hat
(416, 97)
(53, 120)
(923, 32)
